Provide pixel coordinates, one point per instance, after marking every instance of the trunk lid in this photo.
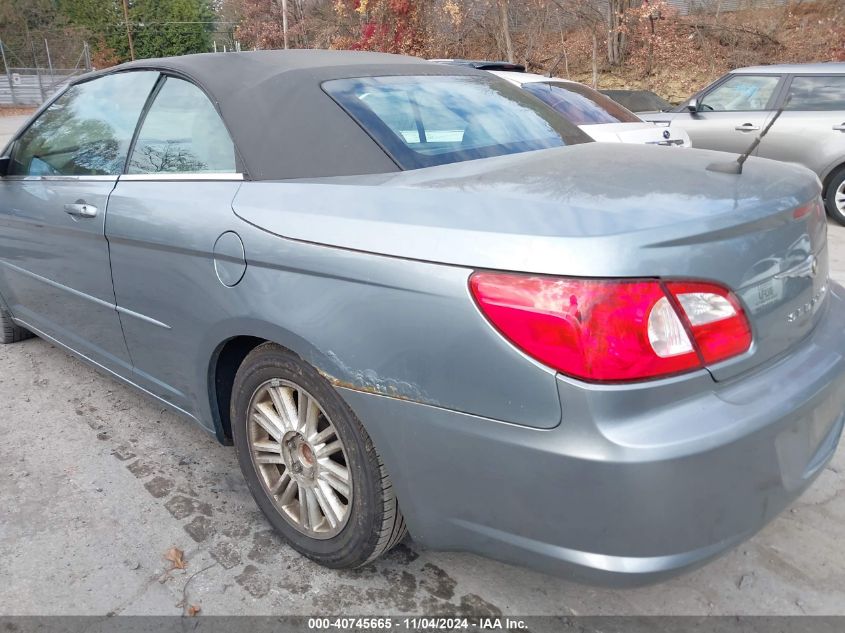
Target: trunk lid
(592, 210)
(644, 133)
(785, 292)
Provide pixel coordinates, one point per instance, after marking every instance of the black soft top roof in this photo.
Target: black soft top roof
(283, 124)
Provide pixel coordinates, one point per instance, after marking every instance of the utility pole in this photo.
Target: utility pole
(49, 63)
(128, 29)
(86, 52)
(285, 21)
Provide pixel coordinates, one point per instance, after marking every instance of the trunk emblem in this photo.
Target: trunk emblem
(808, 268)
(809, 307)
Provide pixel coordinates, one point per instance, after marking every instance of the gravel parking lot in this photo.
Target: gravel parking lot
(97, 483)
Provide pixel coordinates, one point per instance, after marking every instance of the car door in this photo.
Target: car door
(54, 259)
(811, 130)
(731, 114)
(165, 216)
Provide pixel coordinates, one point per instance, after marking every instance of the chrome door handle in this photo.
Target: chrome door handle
(840, 128)
(747, 127)
(81, 210)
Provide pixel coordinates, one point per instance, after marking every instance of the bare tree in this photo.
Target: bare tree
(617, 37)
(586, 14)
(504, 18)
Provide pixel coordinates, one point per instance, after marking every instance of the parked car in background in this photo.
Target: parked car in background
(729, 113)
(481, 64)
(599, 116)
(413, 295)
(639, 101)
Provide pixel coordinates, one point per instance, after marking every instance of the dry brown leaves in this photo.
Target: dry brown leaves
(176, 558)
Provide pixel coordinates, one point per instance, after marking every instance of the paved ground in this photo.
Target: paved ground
(8, 126)
(97, 483)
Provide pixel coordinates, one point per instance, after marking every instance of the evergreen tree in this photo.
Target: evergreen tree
(160, 28)
(171, 27)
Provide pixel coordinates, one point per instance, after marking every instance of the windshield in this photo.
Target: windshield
(579, 104)
(435, 120)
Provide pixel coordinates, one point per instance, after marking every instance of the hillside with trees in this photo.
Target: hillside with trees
(155, 28)
(610, 43)
(670, 46)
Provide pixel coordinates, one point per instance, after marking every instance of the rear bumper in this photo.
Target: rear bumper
(637, 483)
(637, 133)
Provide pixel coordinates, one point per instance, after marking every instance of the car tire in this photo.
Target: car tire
(834, 196)
(10, 332)
(366, 521)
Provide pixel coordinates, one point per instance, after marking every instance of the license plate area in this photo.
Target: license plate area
(806, 446)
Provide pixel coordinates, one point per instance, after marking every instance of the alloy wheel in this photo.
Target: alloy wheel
(300, 459)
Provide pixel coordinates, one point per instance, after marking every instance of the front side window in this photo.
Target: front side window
(435, 120)
(741, 93)
(87, 130)
(579, 104)
(182, 133)
(817, 93)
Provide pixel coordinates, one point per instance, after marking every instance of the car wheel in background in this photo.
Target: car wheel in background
(835, 196)
(9, 331)
(309, 463)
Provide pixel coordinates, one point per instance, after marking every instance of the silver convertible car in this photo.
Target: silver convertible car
(415, 298)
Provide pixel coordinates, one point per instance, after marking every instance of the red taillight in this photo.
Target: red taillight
(715, 318)
(614, 330)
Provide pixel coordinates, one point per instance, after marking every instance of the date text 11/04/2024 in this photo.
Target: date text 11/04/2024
(417, 623)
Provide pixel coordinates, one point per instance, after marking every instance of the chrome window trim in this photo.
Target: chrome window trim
(67, 178)
(220, 176)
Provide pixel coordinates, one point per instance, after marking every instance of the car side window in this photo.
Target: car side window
(87, 130)
(823, 93)
(182, 133)
(442, 119)
(741, 93)
(580, 104)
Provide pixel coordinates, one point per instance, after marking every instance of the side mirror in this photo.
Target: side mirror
(5, 163)
(692, 105)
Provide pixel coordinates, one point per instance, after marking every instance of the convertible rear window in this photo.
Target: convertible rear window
(435, 120)
(580, 104)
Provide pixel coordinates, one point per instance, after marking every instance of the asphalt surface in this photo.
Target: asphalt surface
(8, 126)
(97, 483)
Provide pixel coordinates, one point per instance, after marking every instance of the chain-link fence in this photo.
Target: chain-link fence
(37, 64)
(35, 67)
(685, 7)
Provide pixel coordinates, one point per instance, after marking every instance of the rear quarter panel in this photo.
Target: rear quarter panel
(388, 326)
(382, 325)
